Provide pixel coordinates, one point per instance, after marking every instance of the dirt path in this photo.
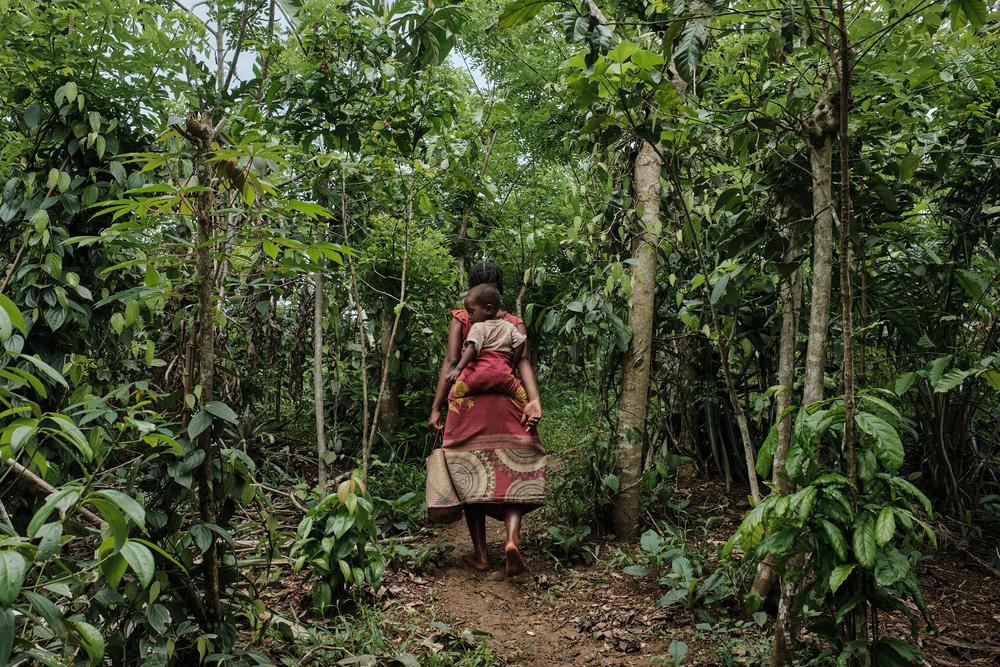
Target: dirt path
(534, 619)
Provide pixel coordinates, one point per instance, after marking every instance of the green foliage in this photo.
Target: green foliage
(336, 542)
(681, 573)
(862, 552)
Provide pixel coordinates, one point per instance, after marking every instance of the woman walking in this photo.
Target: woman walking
(495, 458)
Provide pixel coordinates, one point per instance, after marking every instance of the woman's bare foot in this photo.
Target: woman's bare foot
(478, 563)
(514, 564)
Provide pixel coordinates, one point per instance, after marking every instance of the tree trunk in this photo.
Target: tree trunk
(723, 338)
(369, 440)
(388, 407)
(635, 374)
(318, 402)
(685, 403)
(205, 337)
(819, 128)
(857, 625)
(362, 337)
(791, 303)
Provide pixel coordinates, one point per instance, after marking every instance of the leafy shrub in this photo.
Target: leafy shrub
(681, 573)
(570, 541)
(337, 540)
(829, 535)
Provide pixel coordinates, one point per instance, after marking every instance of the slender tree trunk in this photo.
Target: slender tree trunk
(204, 334)
(791, 303)
(858, 625)
(685, 404)
(820, 127)
(635, 374)
(362, 335)
(388, 407)
(366, 454)
(723, 339)
(318, 402)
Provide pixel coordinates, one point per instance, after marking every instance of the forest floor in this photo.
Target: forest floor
(592, 614)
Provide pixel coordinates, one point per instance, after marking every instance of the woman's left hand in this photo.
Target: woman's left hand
(532, 415)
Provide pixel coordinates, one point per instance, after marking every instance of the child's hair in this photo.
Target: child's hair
(484, 295)
(486, 272)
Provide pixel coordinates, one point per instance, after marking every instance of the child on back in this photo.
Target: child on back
(489, 339)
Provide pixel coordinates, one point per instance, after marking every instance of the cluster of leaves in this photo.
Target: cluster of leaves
(683, 575)
(845, 546)
(337, 540)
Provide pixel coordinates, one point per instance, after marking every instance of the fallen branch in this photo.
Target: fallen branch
(41, 484)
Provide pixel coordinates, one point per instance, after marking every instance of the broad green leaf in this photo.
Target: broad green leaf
(339, 524)
(650, 542)
(936, 368)
(647, 59)
(91, 641)
(904, 382)
(687, 56)
(975, 11)
(674, 596)
(18, 432)
(520, 12)
(888, 446)
(950, 380)
(840, 575)
(127, 504)
(158, 617)
(891, 568)
(677, 651)
(49, 540)
(198, 424)
(114, 517)
(885, 526)
(765, 457)
(112, 564)
(836, 539)
(46, 370)
(222, 411)
(907, 488)
(636, 571)
(12, 571)
(11, 314)
(140, 560)
(202, 536)
(68, 430)
(864, 543)
(6, 635)
(32, 116)
(47, 610)
(611, 482)
(118, 171)
(43, 512)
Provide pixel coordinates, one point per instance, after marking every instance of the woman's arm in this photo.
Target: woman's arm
(451, 358)
(533, 410)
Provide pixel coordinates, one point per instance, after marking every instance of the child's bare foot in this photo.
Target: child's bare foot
(476, 562)
(514, 564)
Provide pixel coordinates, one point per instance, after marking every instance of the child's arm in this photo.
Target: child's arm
(468, 354)
(515, 356)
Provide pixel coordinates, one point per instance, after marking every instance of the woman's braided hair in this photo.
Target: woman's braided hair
(486, 272)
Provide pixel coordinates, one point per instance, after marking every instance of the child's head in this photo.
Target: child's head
(482, 303)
